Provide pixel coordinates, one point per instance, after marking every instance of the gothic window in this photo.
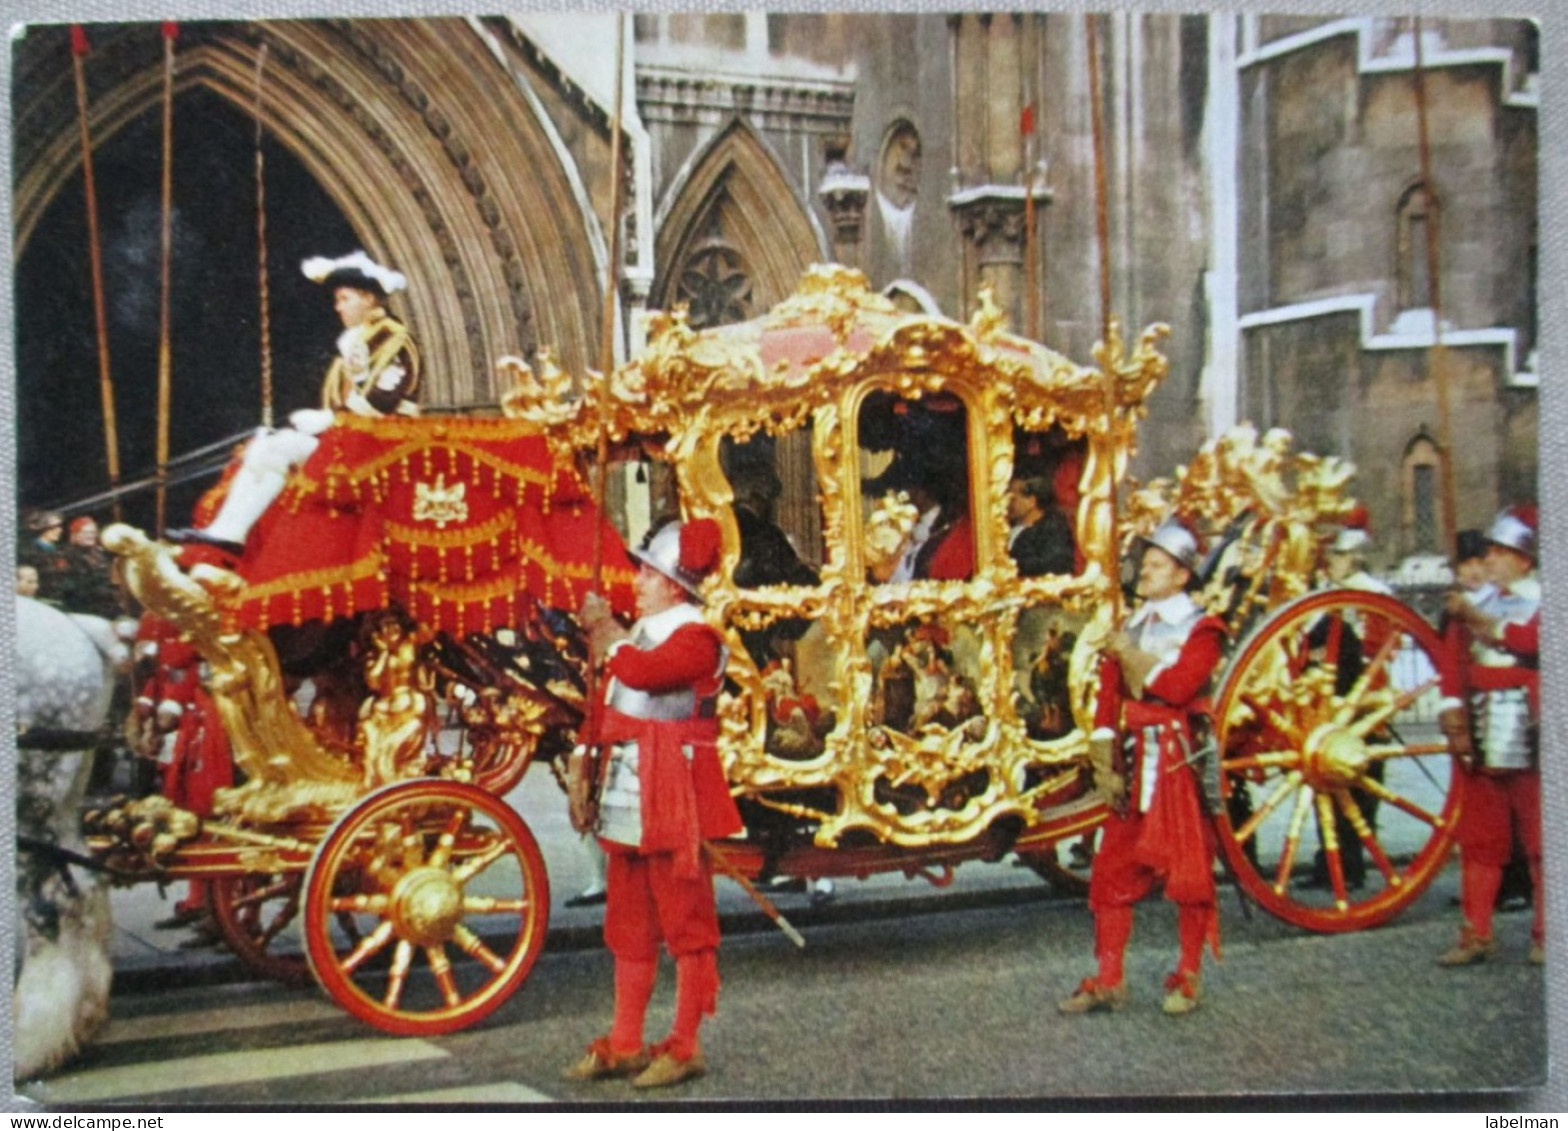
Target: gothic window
(898, 173)
(1412, 280)
(714, 282)
(1423, 522)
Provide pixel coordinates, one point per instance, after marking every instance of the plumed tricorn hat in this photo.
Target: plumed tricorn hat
(355, 270)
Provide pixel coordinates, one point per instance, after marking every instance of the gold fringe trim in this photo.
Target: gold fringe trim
(372, 565)
(580, 571)
(452, 539)
(424, 450)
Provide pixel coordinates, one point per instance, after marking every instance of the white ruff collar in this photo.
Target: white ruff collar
(1175, 609)
(660, 626)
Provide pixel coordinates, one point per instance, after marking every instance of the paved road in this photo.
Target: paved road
(931, 999)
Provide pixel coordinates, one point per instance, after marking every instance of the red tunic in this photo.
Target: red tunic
(661, 889)
(1499, 803)
(682, 803)
(1166, 837)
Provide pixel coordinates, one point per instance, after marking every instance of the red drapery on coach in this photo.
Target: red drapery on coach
(462, 523)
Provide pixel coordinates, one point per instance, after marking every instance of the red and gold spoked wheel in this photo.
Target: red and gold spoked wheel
(255, 913)
(1339, 793)
(425, 907)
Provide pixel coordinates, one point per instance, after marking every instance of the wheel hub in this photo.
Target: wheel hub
(427, 905)
(1335, 756)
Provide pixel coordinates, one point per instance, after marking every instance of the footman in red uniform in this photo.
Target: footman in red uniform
(663, 794)
(1491, 717)
(1151, 685)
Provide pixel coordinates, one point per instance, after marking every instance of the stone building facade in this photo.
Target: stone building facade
(1263, 194)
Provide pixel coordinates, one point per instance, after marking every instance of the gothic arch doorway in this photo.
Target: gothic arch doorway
(736, 239)
(416, 130)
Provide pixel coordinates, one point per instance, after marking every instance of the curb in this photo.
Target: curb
(153, 975)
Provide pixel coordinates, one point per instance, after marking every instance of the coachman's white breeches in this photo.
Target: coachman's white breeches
(264, 468)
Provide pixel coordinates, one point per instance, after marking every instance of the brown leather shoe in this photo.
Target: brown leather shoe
(1183, 991)
(666, 1070)
(1091, 997)
(1468, 951)
(601, 1062)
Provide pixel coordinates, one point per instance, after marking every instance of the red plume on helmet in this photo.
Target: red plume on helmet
(685, 552)
(1355, 535)
(700, 542)
(1517, 528)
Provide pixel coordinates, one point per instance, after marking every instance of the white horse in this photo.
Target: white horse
(65, 672)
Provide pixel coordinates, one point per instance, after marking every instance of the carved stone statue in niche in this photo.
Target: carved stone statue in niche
(898, 177)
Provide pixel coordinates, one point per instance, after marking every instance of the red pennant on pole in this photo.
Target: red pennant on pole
(79, 45)
(1026, 120)
(171, 30)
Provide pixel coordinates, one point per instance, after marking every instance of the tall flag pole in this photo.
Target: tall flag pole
(170, 33)
(1439, 362)
(111, 434)
(261, 249)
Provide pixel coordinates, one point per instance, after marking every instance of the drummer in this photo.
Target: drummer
(1150, 685)
(1497, 739)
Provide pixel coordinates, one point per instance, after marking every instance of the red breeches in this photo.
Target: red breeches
(646, 904)
(1495, 806)
(1120, 877)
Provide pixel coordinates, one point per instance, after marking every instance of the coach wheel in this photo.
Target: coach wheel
(254, 913)
(1338, 793)
(425, 907)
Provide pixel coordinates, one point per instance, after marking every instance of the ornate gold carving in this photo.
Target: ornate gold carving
(396, 721)
(440, 503)
(547, 399)
(288, 773)
(1276, 503)
(144, 832)
(812, 361)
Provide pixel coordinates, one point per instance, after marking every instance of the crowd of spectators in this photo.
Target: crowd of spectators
(66, 566)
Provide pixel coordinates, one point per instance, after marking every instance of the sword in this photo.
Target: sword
(723, 864)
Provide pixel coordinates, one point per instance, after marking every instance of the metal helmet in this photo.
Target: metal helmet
(1178, 540)
(685, 552)
(1515, 528)
(1351, 540)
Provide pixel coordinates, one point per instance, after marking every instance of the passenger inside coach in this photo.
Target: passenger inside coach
(930, 465)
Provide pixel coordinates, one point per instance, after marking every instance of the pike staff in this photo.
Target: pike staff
(261, 249)
(607, 326)
(166, 255)
(111, 434)
(1439, 362)
(1102, 227)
